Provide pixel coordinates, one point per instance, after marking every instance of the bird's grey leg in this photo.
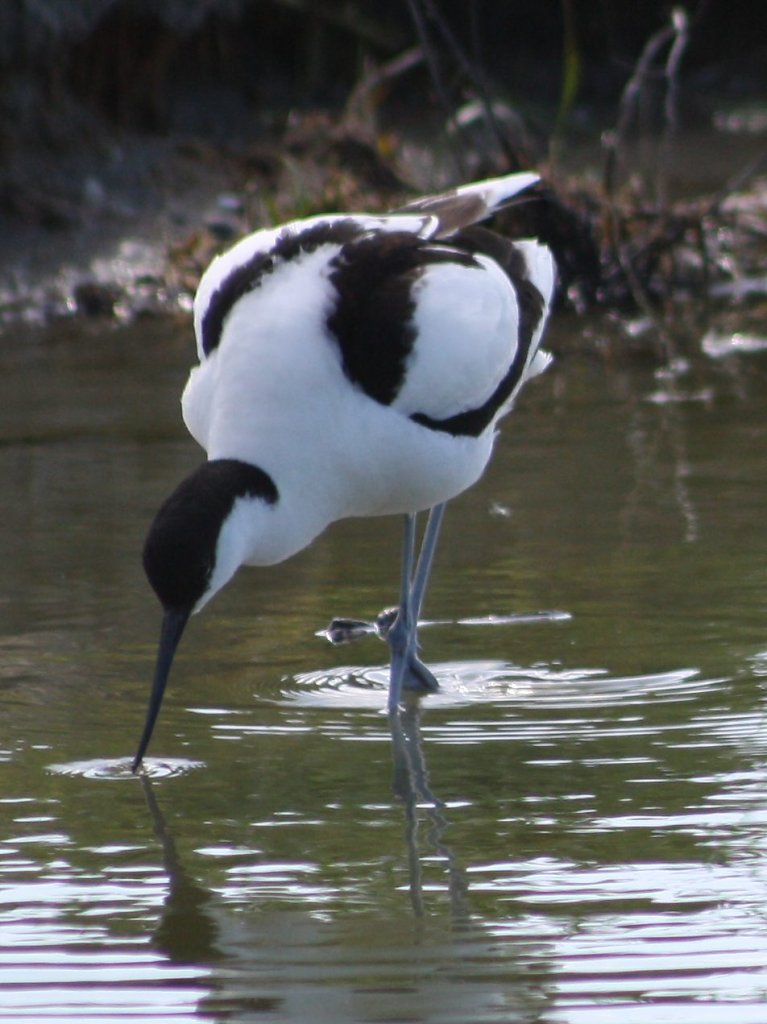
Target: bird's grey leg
(407, 669)
(426, 557)
(399, 637)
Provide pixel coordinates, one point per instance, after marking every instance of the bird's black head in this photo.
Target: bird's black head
(180, 554)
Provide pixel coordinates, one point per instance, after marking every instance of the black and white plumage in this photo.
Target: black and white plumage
(350, 365)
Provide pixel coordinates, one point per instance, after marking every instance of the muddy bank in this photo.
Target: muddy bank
(126, 228)
(135, 226)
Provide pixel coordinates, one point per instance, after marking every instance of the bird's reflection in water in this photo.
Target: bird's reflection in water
(298, 965)
(411, 784)
(189, 932)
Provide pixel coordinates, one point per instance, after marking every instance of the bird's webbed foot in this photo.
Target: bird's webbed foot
(408, 672)
(416, 676)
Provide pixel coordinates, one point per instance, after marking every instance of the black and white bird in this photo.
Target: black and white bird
(350, 365)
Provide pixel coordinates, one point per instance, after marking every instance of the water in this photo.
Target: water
(574, 831)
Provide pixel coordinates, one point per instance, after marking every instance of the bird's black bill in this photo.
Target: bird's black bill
(172, 627)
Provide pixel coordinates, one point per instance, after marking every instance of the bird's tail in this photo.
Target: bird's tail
(461, 207)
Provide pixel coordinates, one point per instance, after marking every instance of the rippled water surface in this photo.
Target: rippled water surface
(573, 831)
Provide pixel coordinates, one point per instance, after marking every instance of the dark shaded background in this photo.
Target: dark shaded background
(209, 65)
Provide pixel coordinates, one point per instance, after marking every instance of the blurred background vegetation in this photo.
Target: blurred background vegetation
(645, 118)
(215, 65)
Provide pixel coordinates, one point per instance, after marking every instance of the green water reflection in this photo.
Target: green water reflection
(573, 830)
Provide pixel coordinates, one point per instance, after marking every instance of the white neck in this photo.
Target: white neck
(257, 533)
